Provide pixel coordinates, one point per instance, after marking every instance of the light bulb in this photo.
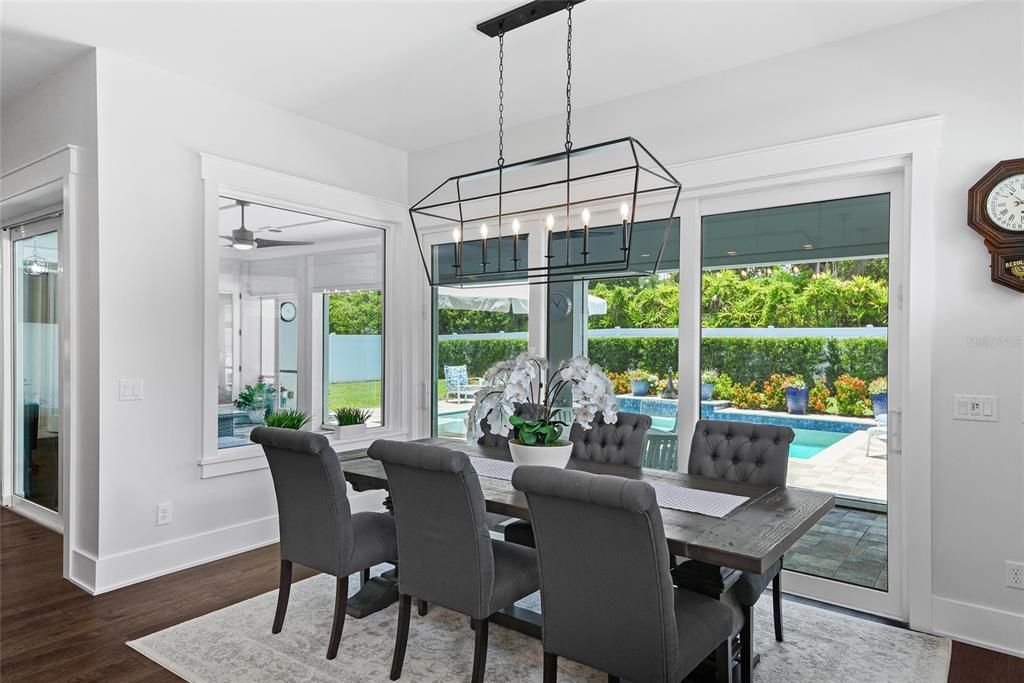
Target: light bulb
(483, 230)
(586, 216)
(456, 234)
(515, 226)
(550, 221)
(624, 211)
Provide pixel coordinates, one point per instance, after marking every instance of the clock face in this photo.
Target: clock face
(288, 311)
(559, 306)
(1005, 204)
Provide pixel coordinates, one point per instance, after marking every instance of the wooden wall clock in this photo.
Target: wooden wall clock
(995, 210)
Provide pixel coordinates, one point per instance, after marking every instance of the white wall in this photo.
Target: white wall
(152, 127)
(61, 111)
(945, 64)
(143, 289)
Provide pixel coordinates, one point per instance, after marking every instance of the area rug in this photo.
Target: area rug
(235, 644)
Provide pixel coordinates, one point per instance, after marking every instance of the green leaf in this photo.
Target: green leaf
(528, 438)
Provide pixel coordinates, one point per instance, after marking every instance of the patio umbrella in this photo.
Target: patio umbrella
(500, 299)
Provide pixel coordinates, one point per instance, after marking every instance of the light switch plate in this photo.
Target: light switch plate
(975, 408)
(130, 390)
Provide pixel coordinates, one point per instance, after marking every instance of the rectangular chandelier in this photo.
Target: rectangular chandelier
(598, 211)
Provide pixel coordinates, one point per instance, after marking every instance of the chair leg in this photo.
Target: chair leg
(480, 651)
(422, 608)
(365, 578)
(723, 662)
(747, 646)
(550, 668)
(340, 604)
(613, 679)
(283, 591)
(777, 605)
(401, 636)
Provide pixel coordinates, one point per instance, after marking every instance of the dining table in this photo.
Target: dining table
(712, 551)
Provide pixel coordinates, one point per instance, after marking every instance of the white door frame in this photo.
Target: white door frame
(53, 175)
(911, 150)
(890, 603)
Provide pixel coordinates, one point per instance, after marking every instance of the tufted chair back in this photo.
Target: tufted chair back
(621, 443)
(741, 451)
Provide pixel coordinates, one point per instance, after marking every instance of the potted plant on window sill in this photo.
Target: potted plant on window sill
(255, 400)
(536, 431)
(879, 390)
(351, 422)
(287, 419)
(797, 394)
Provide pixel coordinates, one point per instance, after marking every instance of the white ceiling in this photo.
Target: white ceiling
(417, 74)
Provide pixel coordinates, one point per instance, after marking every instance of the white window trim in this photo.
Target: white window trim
(912, 149)
(224, 177)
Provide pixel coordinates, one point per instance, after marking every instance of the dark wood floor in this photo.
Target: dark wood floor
(52, 631)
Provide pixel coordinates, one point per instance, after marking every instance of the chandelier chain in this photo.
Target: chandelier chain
(501, 99)
(568, 81)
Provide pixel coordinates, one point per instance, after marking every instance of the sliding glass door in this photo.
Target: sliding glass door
(798, 329)
(33, 279)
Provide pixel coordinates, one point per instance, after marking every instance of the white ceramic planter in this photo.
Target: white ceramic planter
(550, 456)
(256, 416)
(350, 431)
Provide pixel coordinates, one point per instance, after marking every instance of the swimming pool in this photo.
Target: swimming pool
(808, 442)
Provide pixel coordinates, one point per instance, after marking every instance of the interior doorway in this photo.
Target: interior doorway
(31, 319)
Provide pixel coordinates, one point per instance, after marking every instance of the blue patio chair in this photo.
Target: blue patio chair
(661, 452)
(458, 384)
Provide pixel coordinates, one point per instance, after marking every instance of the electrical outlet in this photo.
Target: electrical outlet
(130, 390)
(163, 514)
(1015, 574)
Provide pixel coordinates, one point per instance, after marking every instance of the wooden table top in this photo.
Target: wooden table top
(750, 538)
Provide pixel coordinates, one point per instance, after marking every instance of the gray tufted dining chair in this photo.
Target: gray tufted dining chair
(621, 613)
(445, 552)
(318, 529)
(754, 453)
(621, 443)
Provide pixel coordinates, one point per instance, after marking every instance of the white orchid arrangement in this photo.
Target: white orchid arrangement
(524, 382)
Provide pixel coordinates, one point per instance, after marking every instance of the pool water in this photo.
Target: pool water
(808, 442)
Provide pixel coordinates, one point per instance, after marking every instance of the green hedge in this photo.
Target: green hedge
(476, 354)
(744, 359)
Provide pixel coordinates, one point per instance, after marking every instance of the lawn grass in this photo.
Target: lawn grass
(361, 394)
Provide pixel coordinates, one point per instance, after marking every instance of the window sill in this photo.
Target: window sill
(250, 458)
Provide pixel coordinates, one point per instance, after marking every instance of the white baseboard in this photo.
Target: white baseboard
(133, 566)
(82, 571)
(986, 627)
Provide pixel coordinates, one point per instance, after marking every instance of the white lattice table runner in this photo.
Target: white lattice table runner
(493, 469)
(710, 503)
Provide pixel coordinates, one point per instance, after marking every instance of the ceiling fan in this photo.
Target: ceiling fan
(244, 239)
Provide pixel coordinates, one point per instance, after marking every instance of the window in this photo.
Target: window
(300, 318)
(795, 332)
(476, 328)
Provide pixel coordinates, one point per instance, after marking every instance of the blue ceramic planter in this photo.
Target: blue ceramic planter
(880, 404)
(640, 387)
(796, 400)
(707, 391)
